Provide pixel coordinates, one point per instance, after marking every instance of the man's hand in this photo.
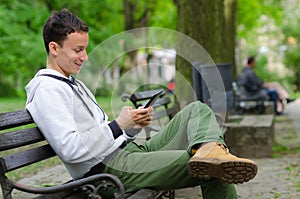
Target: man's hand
(137, 118)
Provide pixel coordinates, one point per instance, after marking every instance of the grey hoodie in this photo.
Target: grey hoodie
(75, 127)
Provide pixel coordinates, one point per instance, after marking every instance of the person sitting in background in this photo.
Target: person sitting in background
(252, 84)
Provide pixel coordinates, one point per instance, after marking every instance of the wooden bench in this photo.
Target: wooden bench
(18, 131)
(27, 134)
(242, 104)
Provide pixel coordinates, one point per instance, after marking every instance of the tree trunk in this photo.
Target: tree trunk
(204, 21)
(131, 22)
(230, 11)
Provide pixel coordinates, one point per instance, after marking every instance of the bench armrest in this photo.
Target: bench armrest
(106, 180)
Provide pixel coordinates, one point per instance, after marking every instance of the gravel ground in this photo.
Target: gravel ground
(277, 177)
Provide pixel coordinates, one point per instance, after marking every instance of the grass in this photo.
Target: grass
(286, 138)
(295, 95)
(109, 105)
(294, 171)
(11, 104)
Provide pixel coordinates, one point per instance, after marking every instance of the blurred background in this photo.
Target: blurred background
(229, 30)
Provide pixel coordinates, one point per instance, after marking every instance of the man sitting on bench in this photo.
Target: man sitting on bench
(188, 151)
(252, 84)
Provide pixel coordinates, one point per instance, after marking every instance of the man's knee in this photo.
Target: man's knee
(198, 104)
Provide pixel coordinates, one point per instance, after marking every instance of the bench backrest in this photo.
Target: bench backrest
(140, 98)
(19, 133)
(17, 130)
(164, 109)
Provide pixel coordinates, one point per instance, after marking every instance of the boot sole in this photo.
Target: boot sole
(232, 172)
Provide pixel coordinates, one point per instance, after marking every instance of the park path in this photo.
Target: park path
(293, 112)
(274, 179)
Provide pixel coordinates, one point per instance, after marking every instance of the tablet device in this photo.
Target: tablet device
(153, 98)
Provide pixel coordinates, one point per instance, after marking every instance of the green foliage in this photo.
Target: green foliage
(250, 12)
(164, 14)
(291, 22)
(7, 90)
(259, 25)
(20, 43)
(291, 31)
(292, 58)
(21, 23)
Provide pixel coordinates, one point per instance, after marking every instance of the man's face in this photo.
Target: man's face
(70, 56)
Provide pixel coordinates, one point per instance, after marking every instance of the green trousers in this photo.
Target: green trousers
(160, 163)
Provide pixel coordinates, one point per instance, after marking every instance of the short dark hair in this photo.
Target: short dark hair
(59, 25)
(250, 60)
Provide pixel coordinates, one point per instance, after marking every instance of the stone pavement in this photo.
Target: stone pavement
(275, 178)
(293, 112)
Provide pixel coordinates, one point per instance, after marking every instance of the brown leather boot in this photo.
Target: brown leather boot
(213, 160)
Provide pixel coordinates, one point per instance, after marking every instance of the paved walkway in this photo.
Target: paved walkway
(275, 178)
(293, 112)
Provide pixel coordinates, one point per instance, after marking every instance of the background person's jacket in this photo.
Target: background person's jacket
(250, 82)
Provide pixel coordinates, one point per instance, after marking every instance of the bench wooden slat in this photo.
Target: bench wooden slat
(20, 138)
(159, 102)
(15, 119)
(143, 95)
(162, 102)
(28, 157)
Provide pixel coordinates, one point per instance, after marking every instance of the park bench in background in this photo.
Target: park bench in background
(255, 104)
(163, 107)
(163, 111)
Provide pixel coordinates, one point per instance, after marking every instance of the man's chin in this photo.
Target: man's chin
(75, 72)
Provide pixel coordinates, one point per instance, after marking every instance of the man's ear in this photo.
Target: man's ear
(53, 46)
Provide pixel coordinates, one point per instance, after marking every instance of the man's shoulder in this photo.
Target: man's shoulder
(40, 83)
(247, 68)
(248, 71)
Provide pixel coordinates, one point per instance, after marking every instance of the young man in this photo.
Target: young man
(189, 151)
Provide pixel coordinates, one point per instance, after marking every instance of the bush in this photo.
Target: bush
(7, 90)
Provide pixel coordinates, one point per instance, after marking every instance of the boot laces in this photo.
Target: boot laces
(223, 147)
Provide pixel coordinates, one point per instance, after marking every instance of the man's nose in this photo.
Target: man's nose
(84, 56)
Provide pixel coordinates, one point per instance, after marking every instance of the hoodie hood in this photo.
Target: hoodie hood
(38, 82)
